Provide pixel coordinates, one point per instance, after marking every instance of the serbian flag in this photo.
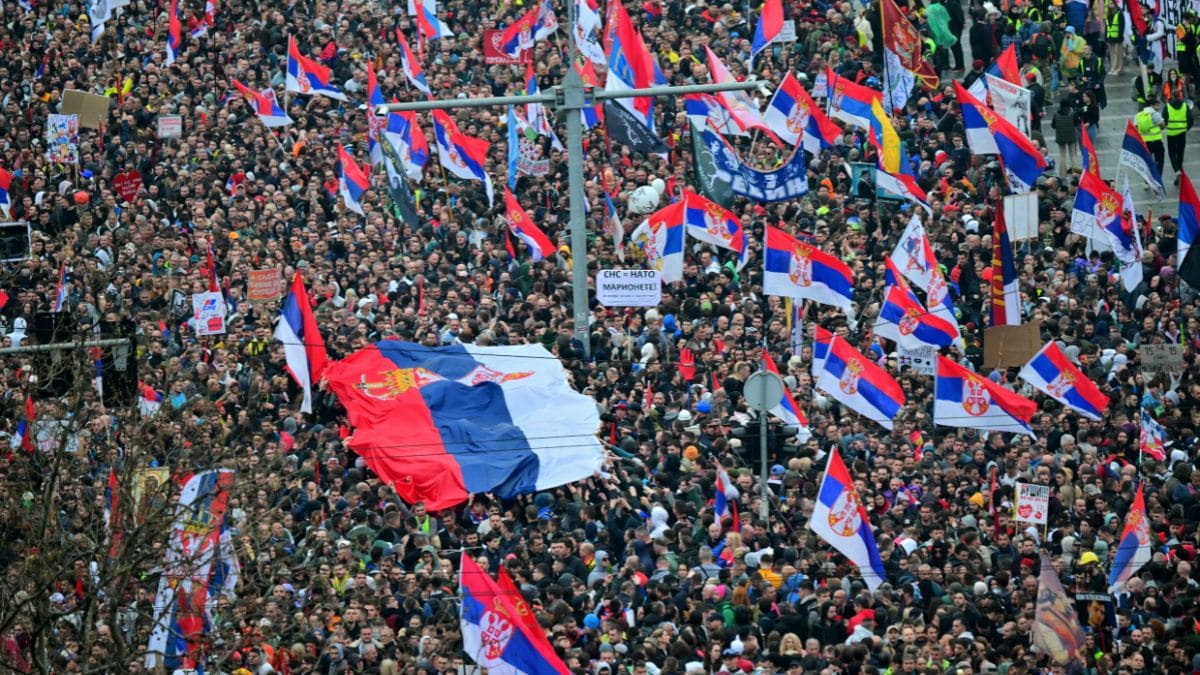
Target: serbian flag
(591, 114)
(660, 239)
(1136, 156)
(444, 423)
(902, 184)
(1152, 437)
(586, 30)
(770, 25)
(234, 181)
(968, 400)
(494, 632)
(352, 182)
(149, 399)
(5, 186)
(1096, 207)
(1052, 373)
(428, 23)
(740, 106)
(174, 33)
(1006, 294)
(407, 139)
(906, 322)
(705, 109)
(519, 35)
(411, 66)
(513, 594)
(990, 134)
(797, 119)
(1126, 241)
(840, 518)
(914, 258)
(375, 122)
(787, 410)
(1133, 549)
(60, 290)
(521, 227)
(23, 436)
(266, 108)
(460, 154)
(1091, 162)
(859, 384)
(723, 506)
(308, 77)
(709, 222)
(850, 102)
(797, 270)
(1189, 222)
(820, 348)
(303, 347)
(903, 61)
(630, 64)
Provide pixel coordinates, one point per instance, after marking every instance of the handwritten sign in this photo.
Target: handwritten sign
(264, 285)
(127, 184)
(1032, 504)
(170, 126)
(1165, 358)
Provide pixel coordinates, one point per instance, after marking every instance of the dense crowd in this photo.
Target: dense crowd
(629, 570)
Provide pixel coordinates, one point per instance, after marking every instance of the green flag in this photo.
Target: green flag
(711, 185)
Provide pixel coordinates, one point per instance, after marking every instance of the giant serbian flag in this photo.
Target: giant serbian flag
(443, 423)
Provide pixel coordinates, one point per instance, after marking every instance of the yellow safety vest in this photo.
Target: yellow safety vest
(1147, 128)
(1114, 27)
(1176, 119)
(1180, 36)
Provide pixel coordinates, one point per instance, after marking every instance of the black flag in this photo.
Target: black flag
(625, 128)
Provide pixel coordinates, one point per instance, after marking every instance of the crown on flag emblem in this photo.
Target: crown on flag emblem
(975, 399)
(849, 380)
(1106, 207)
(714, 222)
(800, 267)
(988, 116)
(455, 158)
(908, 324)
(845, 516)
(1133, 521)
(397, 381)
(937, 287)
(304, 82)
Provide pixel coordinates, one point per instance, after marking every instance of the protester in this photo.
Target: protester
(629, 570)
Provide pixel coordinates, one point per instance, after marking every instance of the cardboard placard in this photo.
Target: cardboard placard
(922, 360)
(628, 288)
(1011, 346)
(62, 139)
(208, 311)
(91, 108)
(788, 32)
(1032, 504)
(1021, 216)
(1164, 358)
(264, 285)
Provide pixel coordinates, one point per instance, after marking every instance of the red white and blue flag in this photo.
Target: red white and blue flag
(705, 109)
(174, 33)
(822, 338)
(630, 64)
(1126, 241)
(991, 134)
(787, 410)
(352, 182)
(587, 31)
(902, 184)
(234, 181)
(535, 113)
(859, 384)
(428, 23)
(5, 187)
(840, 518)
(408, 140)
(711, 223)
(518, 36)
(968, 400)
(770, 25)
(1136, 156)
(851, 102)
(1097, 206)
(23, 437)
(375, 122)
(723, 506)
(149, 399)
(303, 346)
(444, 423)
(906, 322)
(264, 106)
(794, 269)
(1134, 547)
(495, 633)
(796, 118)
(309, 77)
(1006, 294)
(613, 222)
(660, 239)
(740, 106)
(1091, 161)
(60, 290)
(1189, 219)
(1152, 437)
(522, 227)
(1052, 373)
(462, 155)
(411, 66)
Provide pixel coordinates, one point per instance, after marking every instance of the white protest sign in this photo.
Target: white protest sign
(788, 32)
(1010, 101)
(1021, 216)
(208, 312)
(1033, 503)
(628, 288)
(922, 360)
